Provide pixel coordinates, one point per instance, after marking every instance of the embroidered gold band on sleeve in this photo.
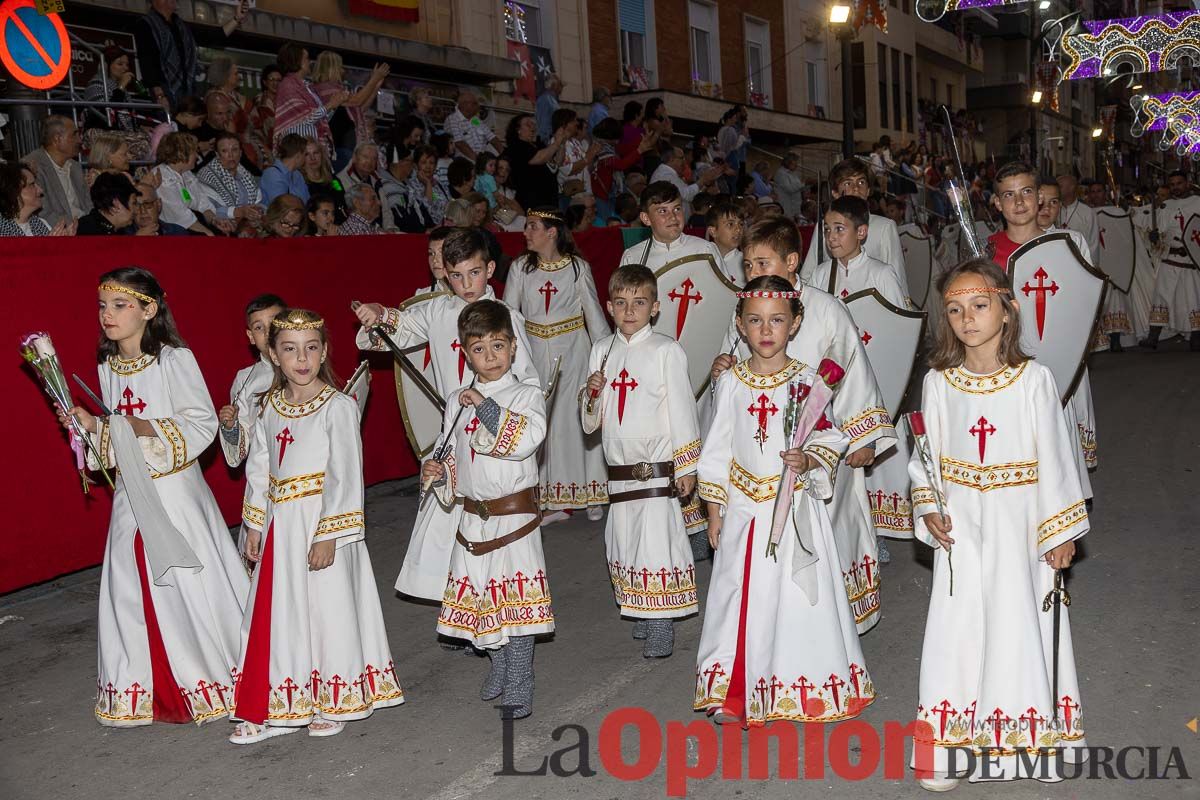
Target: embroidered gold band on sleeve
(1062, 521)
(713, 493)
(283, 490)
(338, 523)
(254, 516)
(555, 328)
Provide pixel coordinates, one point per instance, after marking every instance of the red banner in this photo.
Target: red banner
(392, 10)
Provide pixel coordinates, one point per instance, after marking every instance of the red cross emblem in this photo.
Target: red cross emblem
(1040, 301)
(462, 357)
(982, 430)
(625, 385)
(284, 437)
(866, 338)
(764, 412)
(470, 429)
(128, 407)
(548, 291)
(685, 300)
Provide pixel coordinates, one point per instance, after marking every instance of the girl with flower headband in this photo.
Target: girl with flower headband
(314, 649)
(1013, 506)
(779, 638)
(553, 288)
(172, 590)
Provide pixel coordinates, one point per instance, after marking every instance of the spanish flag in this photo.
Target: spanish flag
(393, 10)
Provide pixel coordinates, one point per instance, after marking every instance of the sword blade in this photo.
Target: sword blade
(411, 371)
(87, 390)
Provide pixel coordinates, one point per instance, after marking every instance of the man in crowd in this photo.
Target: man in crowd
(470, 135)
(146, 211)
(365, 206)
(364, 168)
(58, 171)
(601, 103)
(788, 186)
(547, 104)
(284, 176)
(671, 170)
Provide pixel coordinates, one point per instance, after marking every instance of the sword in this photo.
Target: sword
(1056, 597)
(405, 365)
(443, 451)
(591, 403)
(99, 403)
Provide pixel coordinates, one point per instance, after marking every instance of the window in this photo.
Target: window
(908, 93)
(523, 21)
(881, 66)
(897, 119)
(758, 62)
(634, 27)
(815, 65)
(858, 80)
(706, 62)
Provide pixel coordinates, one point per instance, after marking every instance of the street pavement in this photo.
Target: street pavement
(1133, 618)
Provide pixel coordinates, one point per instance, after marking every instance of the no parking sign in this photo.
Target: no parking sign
(34, 48)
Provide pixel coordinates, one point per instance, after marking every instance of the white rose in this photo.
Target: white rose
(43, 346)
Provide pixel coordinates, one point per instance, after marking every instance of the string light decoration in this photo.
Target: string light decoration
(1146, 44)
(515, 27)
(933, 10)
(1151, 111)
(1183, 136)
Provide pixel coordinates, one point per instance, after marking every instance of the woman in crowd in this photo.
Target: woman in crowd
(298, 108)
(223, 79)
(348, 125)
(262, 114)
(234, 191)
(109, 153)
(189, 116)
(20, 200)
(183, 196)
(285, 218)
(533, 163)
(318, 174)
(117, 84)
(421, 103)
(424, 188)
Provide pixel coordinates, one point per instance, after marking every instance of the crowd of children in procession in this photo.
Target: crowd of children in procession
(288, 633)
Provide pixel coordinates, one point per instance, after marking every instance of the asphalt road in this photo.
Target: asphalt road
(1134, 623)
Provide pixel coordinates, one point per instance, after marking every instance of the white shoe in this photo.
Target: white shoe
(555, 516)
(939, 784)
(595, 513)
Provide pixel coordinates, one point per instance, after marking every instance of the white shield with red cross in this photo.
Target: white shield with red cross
(1191, 239)
(1118, 255)
(917, 250)
(1059, 295)
(359, 386)
(421, 407)
(696, 303)
(890, 335)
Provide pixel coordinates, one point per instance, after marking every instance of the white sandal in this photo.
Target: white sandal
(249, 733)
(328, 727)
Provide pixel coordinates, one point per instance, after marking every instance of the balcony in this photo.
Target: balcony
(939, 46)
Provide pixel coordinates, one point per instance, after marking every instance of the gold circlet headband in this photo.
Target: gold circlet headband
(978, 290)
(769, 295)
(116, 287)
(288, 325)
(545, 215)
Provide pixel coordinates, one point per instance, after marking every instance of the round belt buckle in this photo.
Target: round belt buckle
(643, 471)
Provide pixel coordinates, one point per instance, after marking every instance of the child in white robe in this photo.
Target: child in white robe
(779, 638)
(172, 590)
(237, 419)
(499, 597)
(437, 267)
(433, 319)
(314, 647)
(647, 415)
(1013, 507)
(725, 229)
(553, 288)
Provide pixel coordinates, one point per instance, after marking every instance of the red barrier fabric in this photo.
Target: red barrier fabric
(51, 286)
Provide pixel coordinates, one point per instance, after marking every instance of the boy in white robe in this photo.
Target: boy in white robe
(773, 248)
(850, 177)
(725, 229)
(435, 321)
(662, 212)
(497, 595)
(1176, 303)
(640, 397)
(237, 418)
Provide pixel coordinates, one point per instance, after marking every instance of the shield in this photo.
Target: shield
(421, 406)
(359, 386)
(1191, 239)
(918, 265)
(890, 335)
(1117, 243)
(696, 302)
(1059, 295)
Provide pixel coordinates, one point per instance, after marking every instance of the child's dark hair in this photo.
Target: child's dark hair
(772, 283)
(1013, 169)
(720, 209)
(440, 233)
(553, 219)
(778, 233)
(852, 208)
(849, 168)
(633, 276)
(482, 160)
(658, 193)
(289, 319)
(701, 204)
(262, 303)
(463, 244)
(160, 330)
(1045, 182)
(626, 205)
(484, 318)
(947, 350)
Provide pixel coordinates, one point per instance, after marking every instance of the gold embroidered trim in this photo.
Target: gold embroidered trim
(866, 423)
(104, 445)
(758, 488)
(756, 381)
(1062, 521)
(555, 328)
(827, 456)
(132, 366)
(256, 517)
(283, 490)
(293, 411)
(512, 427)
(713, 493)
(687, 455)
(982, 384)
(923, 496)
(169, 431)
(552, 266)
(994, 476)
(339, 523)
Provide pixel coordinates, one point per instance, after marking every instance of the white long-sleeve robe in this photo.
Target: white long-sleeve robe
(654, 254)
(244, 394)
(768, 649)
(646, 412)
(1176, 301)
(883, 244)
(314, 645)
(491, 597)
(1012, 493)
(562, 319)
(166, 652)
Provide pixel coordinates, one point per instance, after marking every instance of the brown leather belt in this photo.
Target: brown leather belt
(522, 502)
(643, 471)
